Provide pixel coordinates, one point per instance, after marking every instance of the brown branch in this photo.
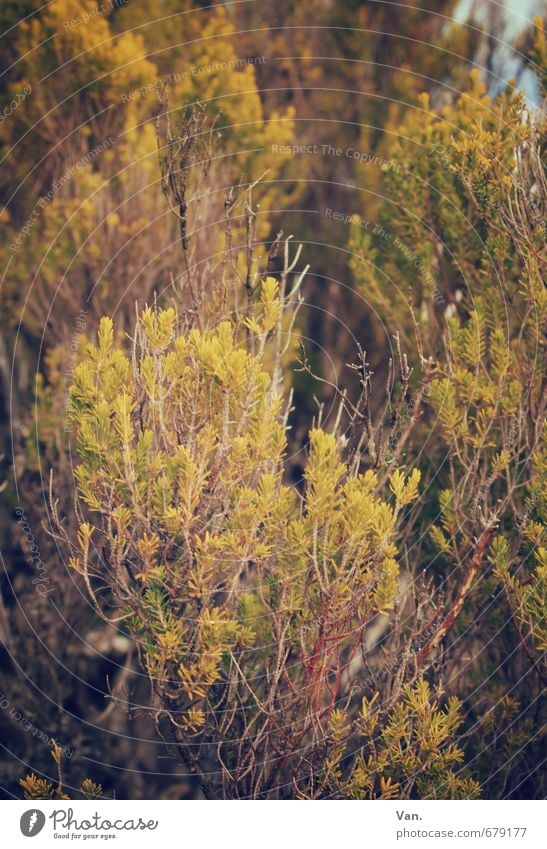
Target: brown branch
(440, 634)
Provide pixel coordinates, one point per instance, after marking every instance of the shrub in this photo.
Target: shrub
(248, 598)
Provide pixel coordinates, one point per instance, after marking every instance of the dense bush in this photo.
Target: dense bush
(248, 599)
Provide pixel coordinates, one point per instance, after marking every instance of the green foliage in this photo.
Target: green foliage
(235, 586)
(453, 176)
(460, 268)
(41, 788)
(407, 753)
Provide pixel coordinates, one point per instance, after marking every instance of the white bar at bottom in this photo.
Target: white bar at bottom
(275, 825)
